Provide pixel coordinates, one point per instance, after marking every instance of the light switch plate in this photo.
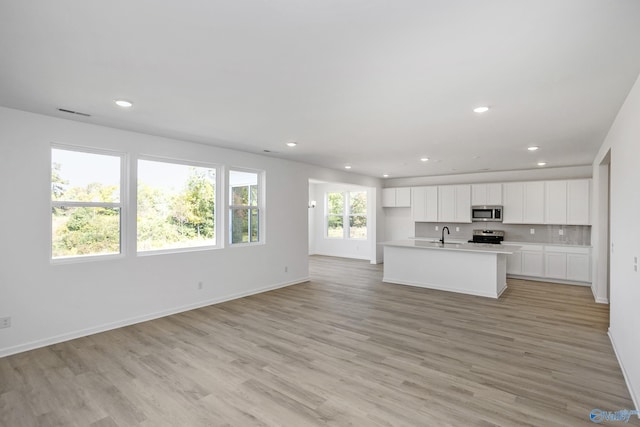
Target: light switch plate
(561, 232)
(532, 231)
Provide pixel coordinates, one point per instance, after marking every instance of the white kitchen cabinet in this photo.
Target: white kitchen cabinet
(524, 202)
(533, 212)
(555, 265)
(579, 267)
(551, 262)
(486, 194)
(555, 202)
(579, 202)
(424, 206)
(396, 197)
(514, 263)
(513, 203)
(454, 203)
(567, 202)
(533, 261)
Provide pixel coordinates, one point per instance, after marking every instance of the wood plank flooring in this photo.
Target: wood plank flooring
(343, 349)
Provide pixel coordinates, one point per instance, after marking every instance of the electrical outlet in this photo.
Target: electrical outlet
(436, 228)
(532, 231)
(5, 322)
(457, 229)
(561, 232)
(200, 285)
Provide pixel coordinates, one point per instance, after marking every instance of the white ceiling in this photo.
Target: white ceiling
(376, 84)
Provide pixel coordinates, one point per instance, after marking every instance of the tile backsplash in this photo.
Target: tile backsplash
(571, 234)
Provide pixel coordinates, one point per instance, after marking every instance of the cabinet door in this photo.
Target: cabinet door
(555, 202)
(431, 204)
(513, 203)
(533, 203)
(494, 194)
(479, 194)
(446, 203)
(403, 197)
(514, 263)
(419, 204)
(532, 264)
(578, 267)
(578, 201)
(555, 265)
(463, 203)
(388, 197)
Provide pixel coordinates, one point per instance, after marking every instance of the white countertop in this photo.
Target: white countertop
(546, 244)
(451, 246)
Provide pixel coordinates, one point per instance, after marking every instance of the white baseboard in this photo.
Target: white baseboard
(634, 395)
(548, 280)
(138, 319)
(442, 288)
(598, 299)
(341, 256)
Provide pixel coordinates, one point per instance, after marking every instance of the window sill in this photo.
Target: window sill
(153, 252)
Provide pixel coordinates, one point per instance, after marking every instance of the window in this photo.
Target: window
(244, 206)
(349, 222)
(335, 215)
(86, 206)
(358, 215)
(176, 206)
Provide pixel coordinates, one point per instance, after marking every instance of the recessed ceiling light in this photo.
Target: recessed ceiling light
(292, 144)
(386, 175)
(347, 166)
(542, 163)
(424, 159)
(482, 109)
(533, 148)
(123, 103)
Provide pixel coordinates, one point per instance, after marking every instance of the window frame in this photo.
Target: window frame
(216, 202)
(122, 205)
(346, 215)
(260, 206)
(328, 215)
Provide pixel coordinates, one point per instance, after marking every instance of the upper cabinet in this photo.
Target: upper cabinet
(555, 202)
(486, 195)
(523, 203)
(579, 202)
(534, 202)
(454, 203)
(396, 197)
(424, 206)
(513, 203)
(568, 202)
(549, 202)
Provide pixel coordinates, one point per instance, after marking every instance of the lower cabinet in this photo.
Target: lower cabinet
(570, 263)
(532, 262)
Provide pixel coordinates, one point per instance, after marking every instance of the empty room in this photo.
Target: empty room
(307, 213)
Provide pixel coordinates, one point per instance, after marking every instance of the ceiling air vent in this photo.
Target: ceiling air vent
(74, 112)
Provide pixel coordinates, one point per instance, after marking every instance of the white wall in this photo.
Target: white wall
(624, 142)
(51, 303)
(346, 248)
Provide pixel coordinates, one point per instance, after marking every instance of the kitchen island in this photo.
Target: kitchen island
(468, 268)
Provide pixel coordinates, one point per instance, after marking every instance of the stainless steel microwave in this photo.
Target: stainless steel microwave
(486, 213)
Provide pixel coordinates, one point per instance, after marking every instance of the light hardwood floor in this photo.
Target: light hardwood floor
(343, 349)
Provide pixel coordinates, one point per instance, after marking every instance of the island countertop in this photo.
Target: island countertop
(465, 247)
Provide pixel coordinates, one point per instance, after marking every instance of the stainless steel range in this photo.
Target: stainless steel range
(487, 236)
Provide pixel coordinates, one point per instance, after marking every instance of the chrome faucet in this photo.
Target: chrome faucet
(443, 228)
